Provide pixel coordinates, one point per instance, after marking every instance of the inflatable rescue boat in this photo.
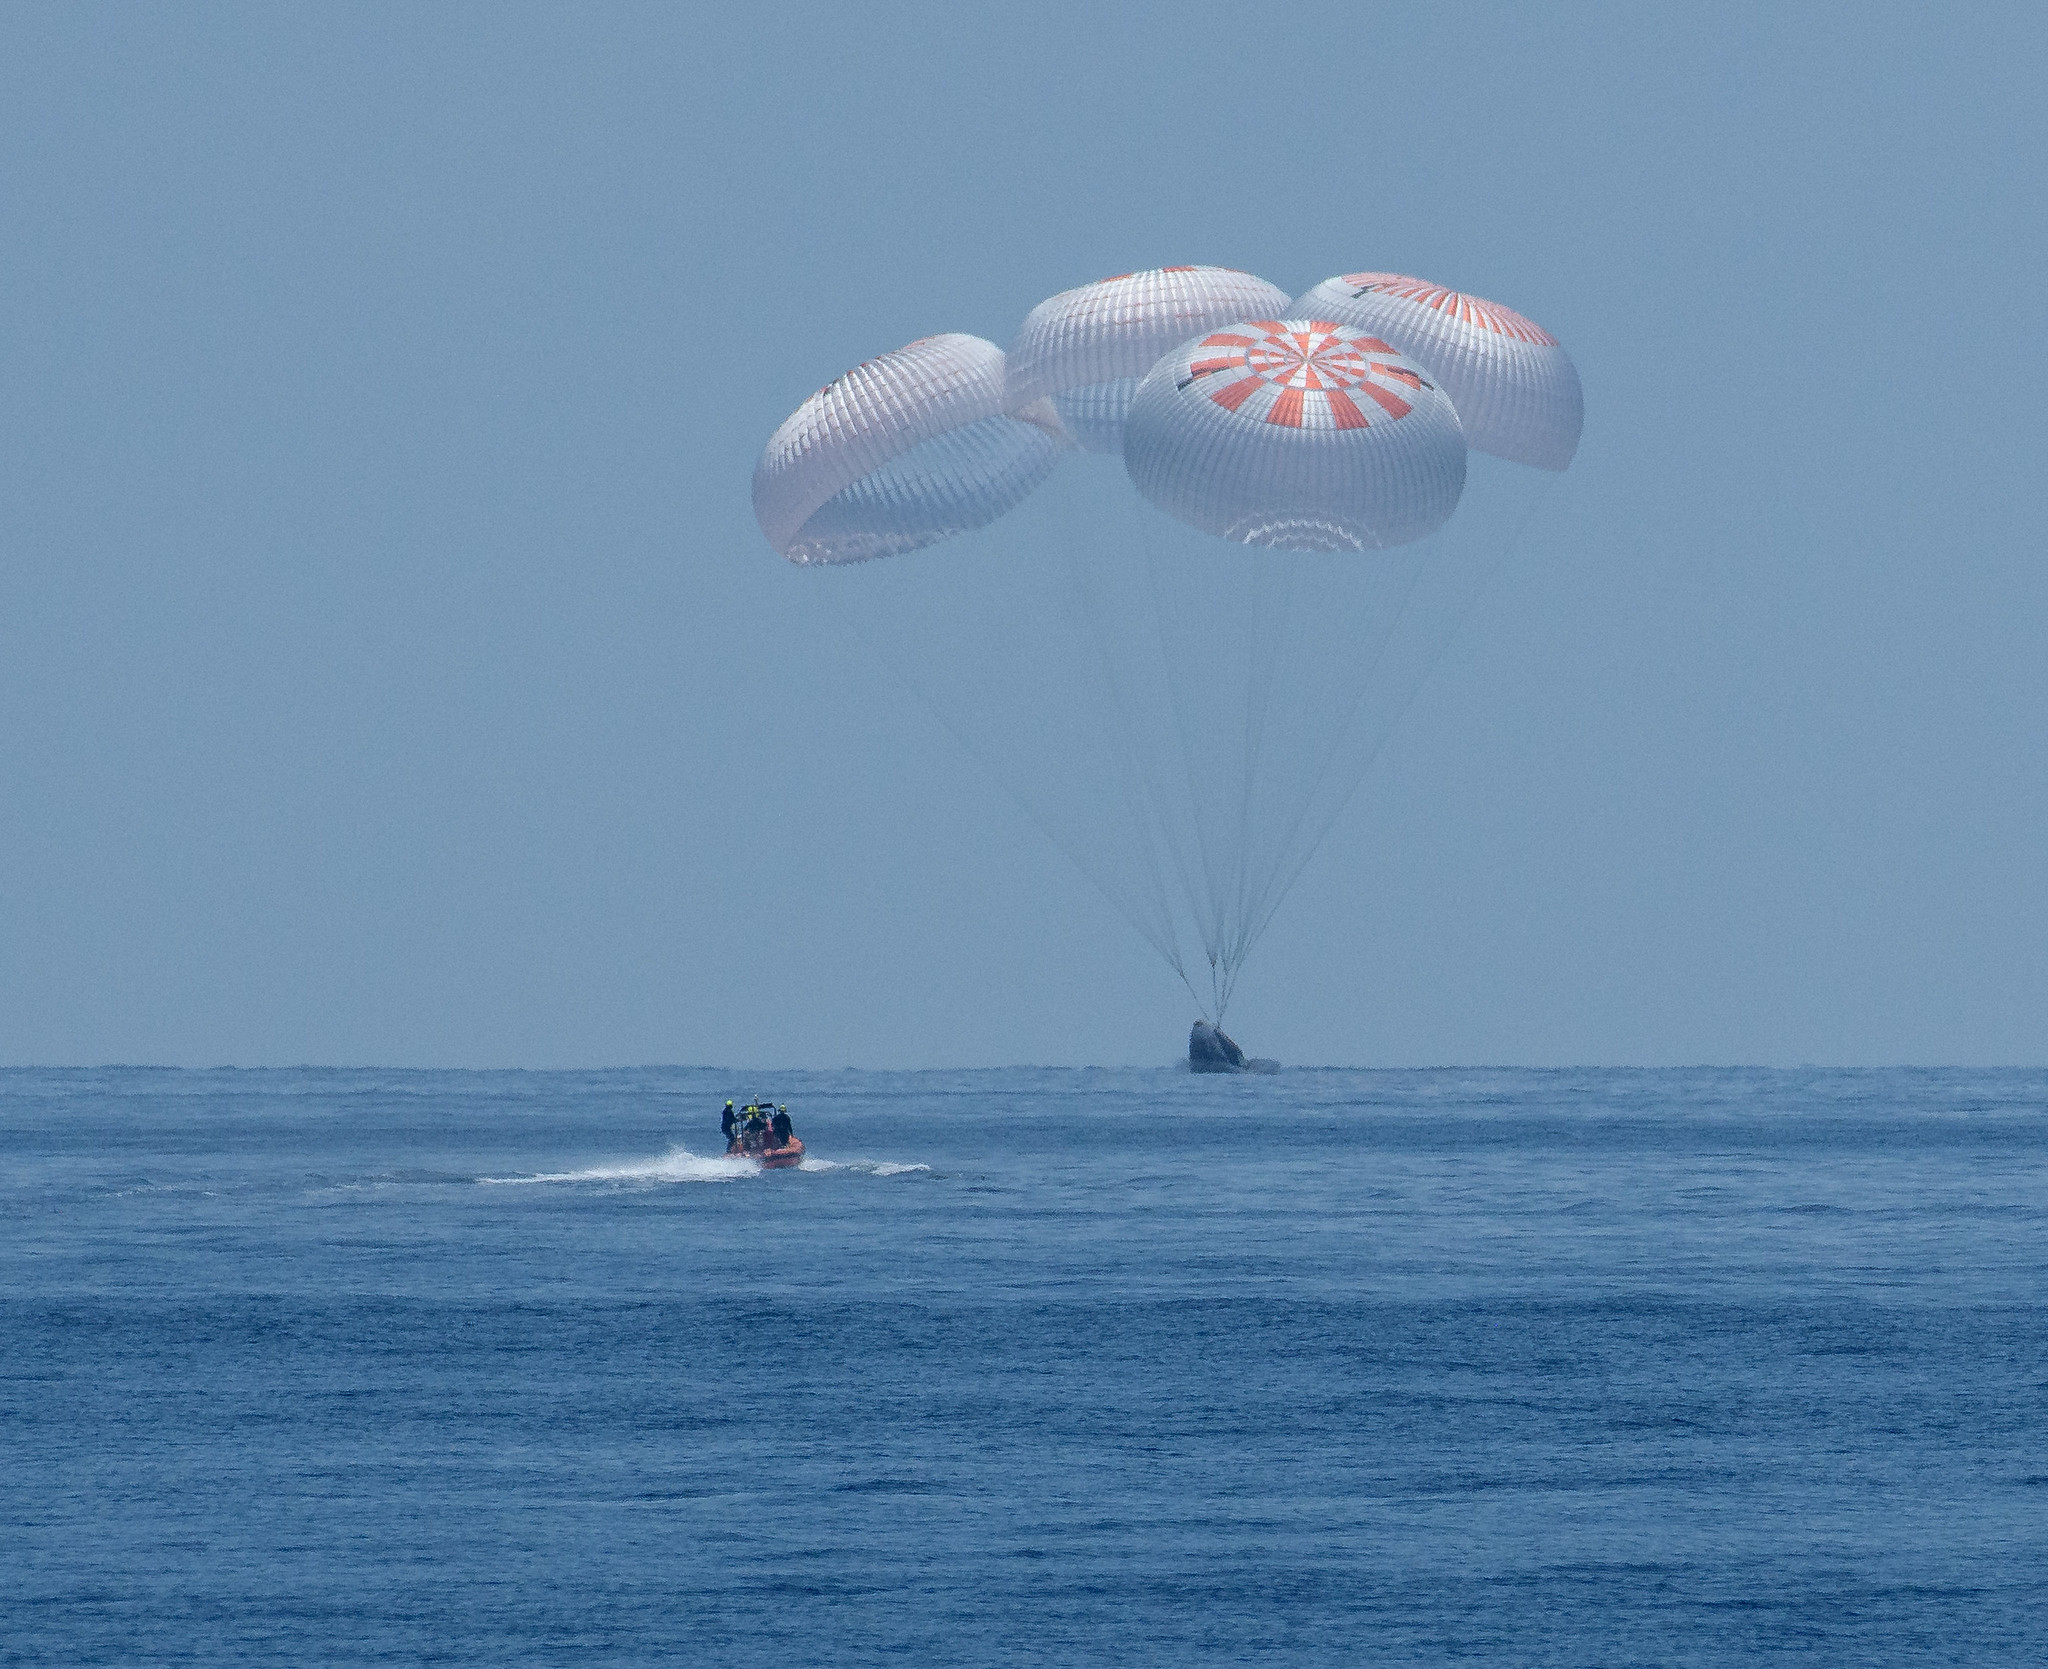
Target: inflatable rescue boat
(761, 1131)
(781, 1158)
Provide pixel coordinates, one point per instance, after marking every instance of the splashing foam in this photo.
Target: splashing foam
(679, 1164)
(861, 1167)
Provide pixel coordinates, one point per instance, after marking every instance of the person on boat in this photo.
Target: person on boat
(780, 1125)
(725, 1125)
(756, 1134)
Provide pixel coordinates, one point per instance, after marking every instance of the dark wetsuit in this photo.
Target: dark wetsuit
(781, 1126)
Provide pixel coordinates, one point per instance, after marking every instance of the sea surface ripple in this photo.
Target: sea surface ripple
(1025, 1367)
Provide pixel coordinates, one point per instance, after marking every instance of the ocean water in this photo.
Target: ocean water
(1027, 1367)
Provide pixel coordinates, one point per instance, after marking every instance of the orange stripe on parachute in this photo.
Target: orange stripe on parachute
(1345, 410)
(1392, 404)
(1238, 392)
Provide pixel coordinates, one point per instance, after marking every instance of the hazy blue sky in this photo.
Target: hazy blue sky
(391, 670)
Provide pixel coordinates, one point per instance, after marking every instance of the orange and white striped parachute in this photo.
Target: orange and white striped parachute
(1515, 388)
(1296, 433)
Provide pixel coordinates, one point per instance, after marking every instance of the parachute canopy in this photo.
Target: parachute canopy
(1298, 433)
(1087, 349)
(901, 452)
(1185, 718)
(1515, 388)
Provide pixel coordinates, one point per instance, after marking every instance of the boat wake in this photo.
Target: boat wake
(679, 1164)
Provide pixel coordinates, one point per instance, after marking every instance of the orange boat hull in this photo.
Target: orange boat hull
(772, 1158)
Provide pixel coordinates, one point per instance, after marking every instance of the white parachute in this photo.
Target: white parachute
(899, 453)
(1086, 350)
(1183, 715)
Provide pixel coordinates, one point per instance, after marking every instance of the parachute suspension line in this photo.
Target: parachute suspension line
(1272, 621)
(1181, 703)
(1245, 607)
(1134, 785)
(1184, 709)
(1381, 631)
(1235, 615)
(1118, 666)
(1269, 638)
(1280, 648)
(1489, 566)
(1158, 932)
(1245, 827)
(1164, 946)
(1266, 655)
